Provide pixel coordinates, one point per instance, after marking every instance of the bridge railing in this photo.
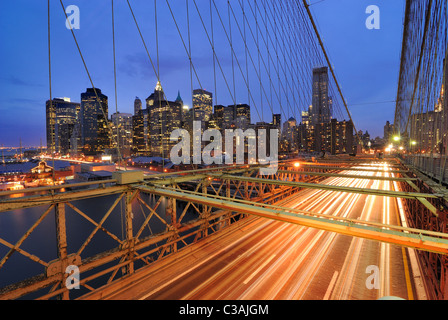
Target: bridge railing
(432, 165)
(434, 265)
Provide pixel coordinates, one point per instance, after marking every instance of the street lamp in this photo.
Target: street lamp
(396, 138)
(413, 143)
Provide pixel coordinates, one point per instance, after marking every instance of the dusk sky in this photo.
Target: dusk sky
(366, 61)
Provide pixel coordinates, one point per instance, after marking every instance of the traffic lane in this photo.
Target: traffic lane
(349, 275)
(317, 195)
(272, 275)
(237, 251)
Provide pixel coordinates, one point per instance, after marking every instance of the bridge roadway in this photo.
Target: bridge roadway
(264, 259)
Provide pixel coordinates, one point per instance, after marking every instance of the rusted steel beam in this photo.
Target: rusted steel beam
(63, 186)
(61, 236)
(386, 193)
(130, 240)
(230, 168)
(9, 204)
(341, 168)
(16, 247)
(328, 174)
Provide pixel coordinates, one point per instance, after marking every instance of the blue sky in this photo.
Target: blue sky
(366, 61)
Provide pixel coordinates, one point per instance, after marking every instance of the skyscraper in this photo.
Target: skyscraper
(388, 131)
(140, 133)
(289, 135)
(219, 115)
(61, 121)
(320, 111)
(179, 99)
(237, 116)
(202, 105)
(137, 105)
(122, 132)
(95, 133)
(164, 117)
(185, 109)
(242, 116)
(334, 137)
(277, 120)
(228, 117)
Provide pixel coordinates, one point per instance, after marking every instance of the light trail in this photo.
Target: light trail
(276, 260)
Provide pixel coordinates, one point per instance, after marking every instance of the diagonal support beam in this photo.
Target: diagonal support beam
(375, 192)
(408, 237)
(328, 174)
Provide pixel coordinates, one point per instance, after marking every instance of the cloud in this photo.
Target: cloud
(13, 80)
(170, 64)
(21, 105)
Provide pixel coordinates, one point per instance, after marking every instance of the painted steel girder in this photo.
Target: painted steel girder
(387, 193)
(399, 236)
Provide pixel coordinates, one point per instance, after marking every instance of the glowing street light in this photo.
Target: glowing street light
(396, 138)
(296, 164)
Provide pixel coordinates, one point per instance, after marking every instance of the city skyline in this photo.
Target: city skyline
(25, 86)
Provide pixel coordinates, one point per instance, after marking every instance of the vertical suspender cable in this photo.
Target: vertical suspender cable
(189, 57)
(116, 113)
(213, 46)
(245, 52)
(161, 113)
(120, 159)
(191, 71)
(157, 37)
(53, 148)
(231, 53)
(269, 65)
(259, 59)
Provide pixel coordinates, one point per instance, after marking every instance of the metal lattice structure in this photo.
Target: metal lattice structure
(179, 209)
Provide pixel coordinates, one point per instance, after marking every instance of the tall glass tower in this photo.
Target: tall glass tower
(95, 133)
(61, 121)
(321, 111)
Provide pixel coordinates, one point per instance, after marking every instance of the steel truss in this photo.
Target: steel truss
(217, 198)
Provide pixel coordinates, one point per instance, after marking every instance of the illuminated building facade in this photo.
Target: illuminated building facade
(137, 105)
(218, 116)
(202, 105)
(95, 133)
(335, 137)
(164, 117)
(321, 109)
(140, 133)
(289, 142)
(277, 121)
(122, 132)
(61, 125)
